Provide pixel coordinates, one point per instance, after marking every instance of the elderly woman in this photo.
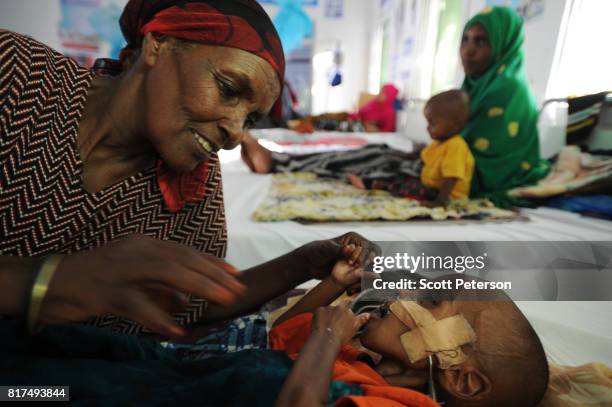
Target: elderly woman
(501, 131)
(111, 205)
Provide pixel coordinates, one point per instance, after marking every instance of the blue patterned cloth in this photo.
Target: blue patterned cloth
(247, 332)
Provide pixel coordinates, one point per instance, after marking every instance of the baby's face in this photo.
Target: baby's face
(439, 126)
(382, 333)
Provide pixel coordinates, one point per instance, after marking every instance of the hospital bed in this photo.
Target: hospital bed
(573, 333)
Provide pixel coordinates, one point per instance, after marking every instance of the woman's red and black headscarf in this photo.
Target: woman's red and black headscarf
(241, 24)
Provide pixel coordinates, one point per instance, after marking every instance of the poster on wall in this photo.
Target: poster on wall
(88, 29)
(304, 2)
(334, 8)
(528, 9)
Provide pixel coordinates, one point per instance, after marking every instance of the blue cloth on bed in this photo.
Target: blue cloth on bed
(593, 205)
(242, 333)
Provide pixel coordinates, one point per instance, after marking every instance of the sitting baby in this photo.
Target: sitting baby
(448, 164)
(476, 351)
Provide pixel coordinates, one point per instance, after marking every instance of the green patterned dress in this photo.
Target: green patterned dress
(502, 130)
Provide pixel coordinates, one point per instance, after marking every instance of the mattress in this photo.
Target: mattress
(573, 333)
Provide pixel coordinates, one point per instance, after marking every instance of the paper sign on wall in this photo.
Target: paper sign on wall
(528, 9)
(304, 2)
(334, 8)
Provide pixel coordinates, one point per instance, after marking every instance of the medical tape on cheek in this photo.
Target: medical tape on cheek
(443, 338)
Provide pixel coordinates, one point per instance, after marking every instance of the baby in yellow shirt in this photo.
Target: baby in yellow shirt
(448, 164)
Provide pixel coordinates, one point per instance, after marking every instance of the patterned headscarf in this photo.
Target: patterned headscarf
(241, 24)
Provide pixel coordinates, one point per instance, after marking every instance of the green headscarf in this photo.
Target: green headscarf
(502, 130)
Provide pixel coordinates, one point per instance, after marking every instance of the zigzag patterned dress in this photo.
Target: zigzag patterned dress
(43, 206)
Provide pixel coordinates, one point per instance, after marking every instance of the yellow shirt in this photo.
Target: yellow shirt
(450, 158)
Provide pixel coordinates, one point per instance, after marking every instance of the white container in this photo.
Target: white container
(552, 128)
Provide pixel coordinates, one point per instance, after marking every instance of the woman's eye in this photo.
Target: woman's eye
(227, 90)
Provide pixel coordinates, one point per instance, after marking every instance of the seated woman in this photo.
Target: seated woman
(502, 127)
(376, 115)
(502, 130)
(481, 351)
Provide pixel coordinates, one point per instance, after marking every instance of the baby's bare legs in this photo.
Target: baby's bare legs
(356, 181)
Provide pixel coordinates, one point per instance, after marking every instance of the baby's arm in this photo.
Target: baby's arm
(342, 276)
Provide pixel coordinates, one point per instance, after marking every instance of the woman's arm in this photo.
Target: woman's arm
(312, 261)
(263, 282)
(16, 277)
(133, 277)
(309, 380)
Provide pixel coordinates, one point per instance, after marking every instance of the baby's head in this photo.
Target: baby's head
(502, 363)
(447, 113)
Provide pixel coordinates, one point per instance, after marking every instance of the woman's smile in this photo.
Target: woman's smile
(204, 143)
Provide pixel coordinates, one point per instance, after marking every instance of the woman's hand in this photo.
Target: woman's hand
(140, 278)
(322, 255)
(309, 379)
(339, 323)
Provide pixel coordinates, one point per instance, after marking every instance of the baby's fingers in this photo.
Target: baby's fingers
(361, 320)
(355, 255)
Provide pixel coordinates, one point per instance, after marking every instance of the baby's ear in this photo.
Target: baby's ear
(465, 382)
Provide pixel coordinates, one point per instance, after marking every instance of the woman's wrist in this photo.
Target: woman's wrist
(326, 336)
(302, 268)
(334, 284)
(39, 289)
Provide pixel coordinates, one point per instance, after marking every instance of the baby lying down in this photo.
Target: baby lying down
(468, 351)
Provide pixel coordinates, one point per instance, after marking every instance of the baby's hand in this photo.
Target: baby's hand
(345, 274)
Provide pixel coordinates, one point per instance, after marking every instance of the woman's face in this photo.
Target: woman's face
(475, 51)
(200, 98)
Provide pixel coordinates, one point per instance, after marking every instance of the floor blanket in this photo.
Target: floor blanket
(304, 197)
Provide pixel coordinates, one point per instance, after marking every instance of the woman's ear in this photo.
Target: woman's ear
(151, 48)
(465, 382)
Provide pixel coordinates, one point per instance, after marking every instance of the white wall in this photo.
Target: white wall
(353, 32)
(36, 18)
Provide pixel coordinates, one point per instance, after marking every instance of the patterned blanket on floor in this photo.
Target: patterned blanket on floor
(305, 197)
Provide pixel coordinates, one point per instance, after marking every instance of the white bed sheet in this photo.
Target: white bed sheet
(573, 333)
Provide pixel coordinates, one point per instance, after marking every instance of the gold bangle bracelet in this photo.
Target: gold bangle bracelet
(39, 289)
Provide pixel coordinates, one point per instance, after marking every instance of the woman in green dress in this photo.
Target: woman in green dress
(502, 130)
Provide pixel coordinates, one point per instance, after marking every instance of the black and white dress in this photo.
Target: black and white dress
(43, 206)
